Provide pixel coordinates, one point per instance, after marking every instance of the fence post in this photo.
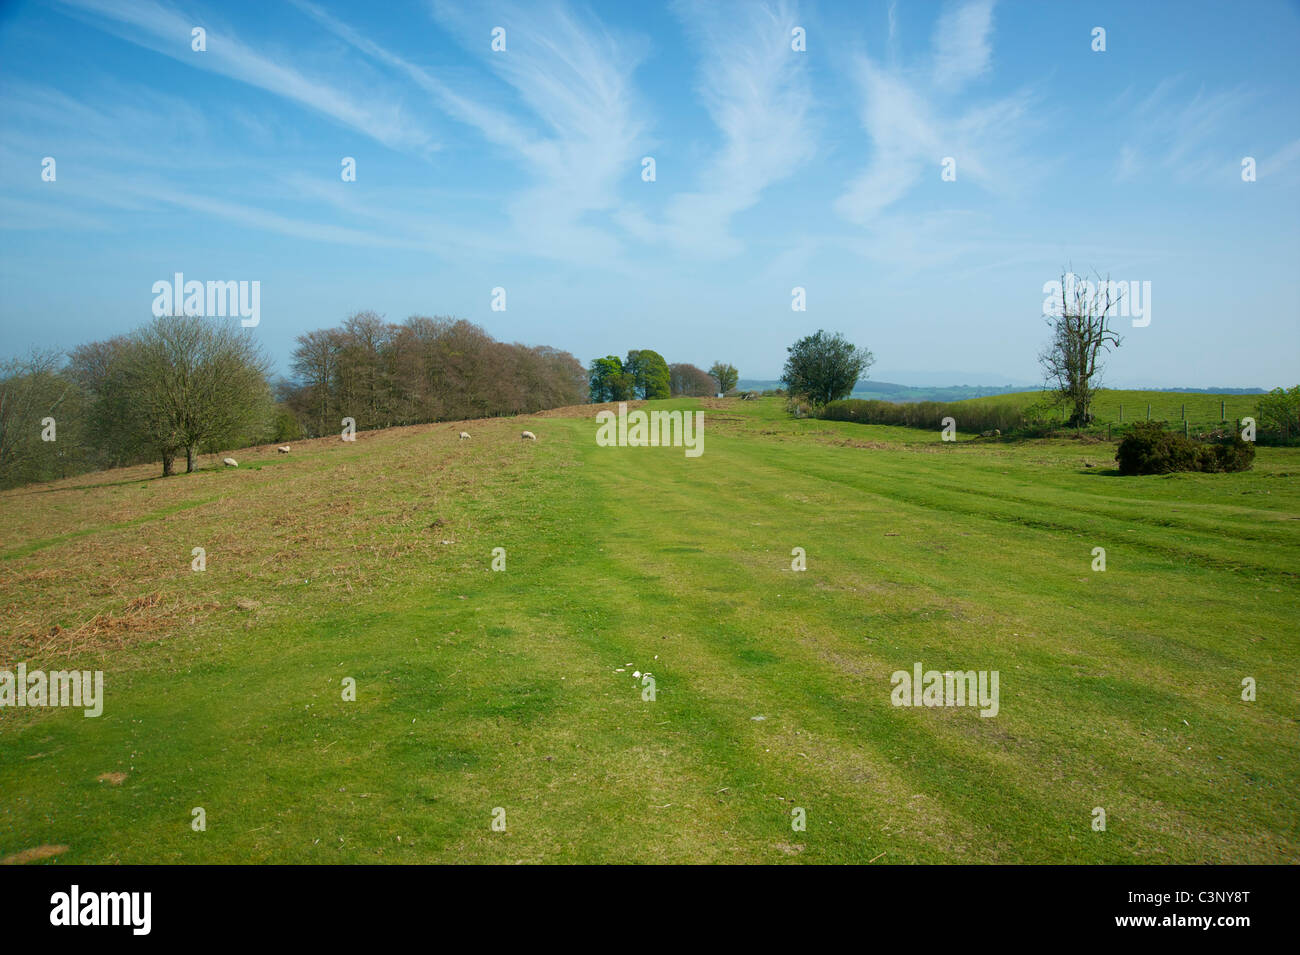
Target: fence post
(1184, 427)
(1184, 412)
(1148, 411)
(1223, 414)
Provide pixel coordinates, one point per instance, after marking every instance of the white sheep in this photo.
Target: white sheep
(230, 462)
(528, 436)
(464, 435)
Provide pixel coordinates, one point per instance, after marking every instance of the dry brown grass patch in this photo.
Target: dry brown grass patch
(34, 854)
(142, 617)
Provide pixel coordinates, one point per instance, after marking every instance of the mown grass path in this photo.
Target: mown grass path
(479, 689)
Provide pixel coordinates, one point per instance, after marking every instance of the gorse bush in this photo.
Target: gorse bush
(1232, 455)
(1151, 449)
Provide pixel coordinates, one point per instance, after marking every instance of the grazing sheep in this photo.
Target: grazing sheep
(283, 449)
(528, 436)
(464, 435)
(230, 462)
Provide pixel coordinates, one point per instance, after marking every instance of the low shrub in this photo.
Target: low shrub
(1151, 449)
(1231, 455)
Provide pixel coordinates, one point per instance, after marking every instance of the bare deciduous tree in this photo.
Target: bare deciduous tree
(687, 379)
(425, 369)
(316, 364)
(194, 383)
(30, 390)
(1082, 333)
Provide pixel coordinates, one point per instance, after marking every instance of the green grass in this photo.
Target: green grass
(479, 689)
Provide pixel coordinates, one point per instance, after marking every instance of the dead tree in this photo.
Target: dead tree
(1082, 333)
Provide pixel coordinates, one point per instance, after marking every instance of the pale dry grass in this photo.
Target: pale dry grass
(34, 854)
(99, 562)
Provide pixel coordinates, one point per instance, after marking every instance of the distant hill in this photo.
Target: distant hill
(1212, 391)
(888, 391)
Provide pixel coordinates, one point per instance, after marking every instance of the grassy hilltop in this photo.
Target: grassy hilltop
(479, 689)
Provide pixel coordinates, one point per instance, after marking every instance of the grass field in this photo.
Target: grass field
(479, 689)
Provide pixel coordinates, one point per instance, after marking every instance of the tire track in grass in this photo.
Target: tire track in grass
(927, 743)
(830, 697)
(954, 499)
(1256, 614)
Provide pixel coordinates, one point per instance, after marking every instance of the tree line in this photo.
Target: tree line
(425, 369)
(182, 386)
(645, 374)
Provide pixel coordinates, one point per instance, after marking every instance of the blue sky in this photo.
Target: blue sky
(775, 168)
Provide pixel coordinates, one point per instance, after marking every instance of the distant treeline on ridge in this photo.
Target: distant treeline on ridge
(425, 369)
(182, 386)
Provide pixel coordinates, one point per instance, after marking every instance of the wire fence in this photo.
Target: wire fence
(1206, 418)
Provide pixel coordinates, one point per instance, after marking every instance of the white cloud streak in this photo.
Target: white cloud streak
(912, 134)
(166, 30)
(962, 47)
(756, 91)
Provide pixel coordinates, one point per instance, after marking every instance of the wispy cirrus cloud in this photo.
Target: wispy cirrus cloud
(912, 127)
(756, 91)
(165, 29)
(1179, 135)
(574, 76)
(113, 122)
(1280, 159)
(570, 119)
(962, 45)
(495, 125)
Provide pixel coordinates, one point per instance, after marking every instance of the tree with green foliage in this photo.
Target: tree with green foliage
(824, 367)
(609, 380)
(1279, 411)
(649, 371)
(727, 376)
